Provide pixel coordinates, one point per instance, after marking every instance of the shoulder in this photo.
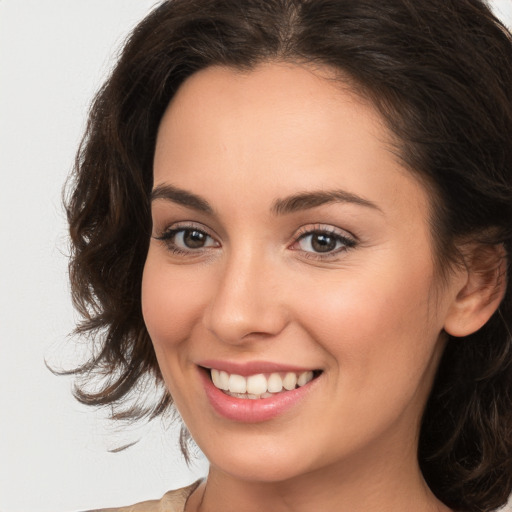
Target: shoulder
(172, 501)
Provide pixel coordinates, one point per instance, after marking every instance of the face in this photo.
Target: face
(291, 261)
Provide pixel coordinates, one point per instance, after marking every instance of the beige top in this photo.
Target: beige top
(172, 501)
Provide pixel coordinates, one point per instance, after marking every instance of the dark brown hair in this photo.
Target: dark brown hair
(440, 73)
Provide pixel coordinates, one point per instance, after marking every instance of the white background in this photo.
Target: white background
(54, 452)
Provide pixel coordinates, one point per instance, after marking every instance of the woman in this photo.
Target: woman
(296, 215)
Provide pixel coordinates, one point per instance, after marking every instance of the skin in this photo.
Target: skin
(369, 315)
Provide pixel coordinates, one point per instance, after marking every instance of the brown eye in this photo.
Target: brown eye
(187, 239)
(194, 239)
(322, 242)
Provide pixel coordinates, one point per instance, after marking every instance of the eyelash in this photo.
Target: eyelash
(345, 242)
(169, 235)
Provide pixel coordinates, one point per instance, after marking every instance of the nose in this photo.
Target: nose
(246, 304)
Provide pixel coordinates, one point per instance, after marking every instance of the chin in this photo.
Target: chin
(259, 459)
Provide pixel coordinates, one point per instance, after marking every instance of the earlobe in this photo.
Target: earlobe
(481, 293)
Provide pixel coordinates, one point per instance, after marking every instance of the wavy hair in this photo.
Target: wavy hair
(439, 72)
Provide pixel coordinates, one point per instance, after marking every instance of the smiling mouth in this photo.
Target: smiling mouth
(261, 385)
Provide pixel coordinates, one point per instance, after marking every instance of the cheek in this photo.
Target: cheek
(171, 303)
(382, 344)
(376, 323)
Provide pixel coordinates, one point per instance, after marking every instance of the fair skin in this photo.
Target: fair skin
(239, 277)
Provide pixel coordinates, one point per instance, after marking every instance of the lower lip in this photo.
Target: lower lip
(245, 410)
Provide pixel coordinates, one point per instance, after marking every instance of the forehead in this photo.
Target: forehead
(296, 100)
(281, 128)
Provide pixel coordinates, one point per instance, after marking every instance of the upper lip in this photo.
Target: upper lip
(252, 367)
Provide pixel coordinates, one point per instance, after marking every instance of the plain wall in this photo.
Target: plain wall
(54, 452)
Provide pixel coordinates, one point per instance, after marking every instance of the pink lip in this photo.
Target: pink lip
(251, 367)
(252, 411)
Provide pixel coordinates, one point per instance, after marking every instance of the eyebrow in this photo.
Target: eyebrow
(182, 197)
(307, 200)
(293, 203)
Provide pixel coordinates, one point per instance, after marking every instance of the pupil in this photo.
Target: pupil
(194, 239)
(323, 243)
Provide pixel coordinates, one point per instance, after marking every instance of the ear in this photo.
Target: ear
(483, 288)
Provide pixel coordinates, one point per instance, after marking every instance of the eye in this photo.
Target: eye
(323, 242)
(187, 239)
(192, 239)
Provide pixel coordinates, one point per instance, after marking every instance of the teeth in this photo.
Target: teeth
(258, 386)
(290, 381)
(224, 381)
(237, 384)
(304, 378)
(220, 379)
(275, 383)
